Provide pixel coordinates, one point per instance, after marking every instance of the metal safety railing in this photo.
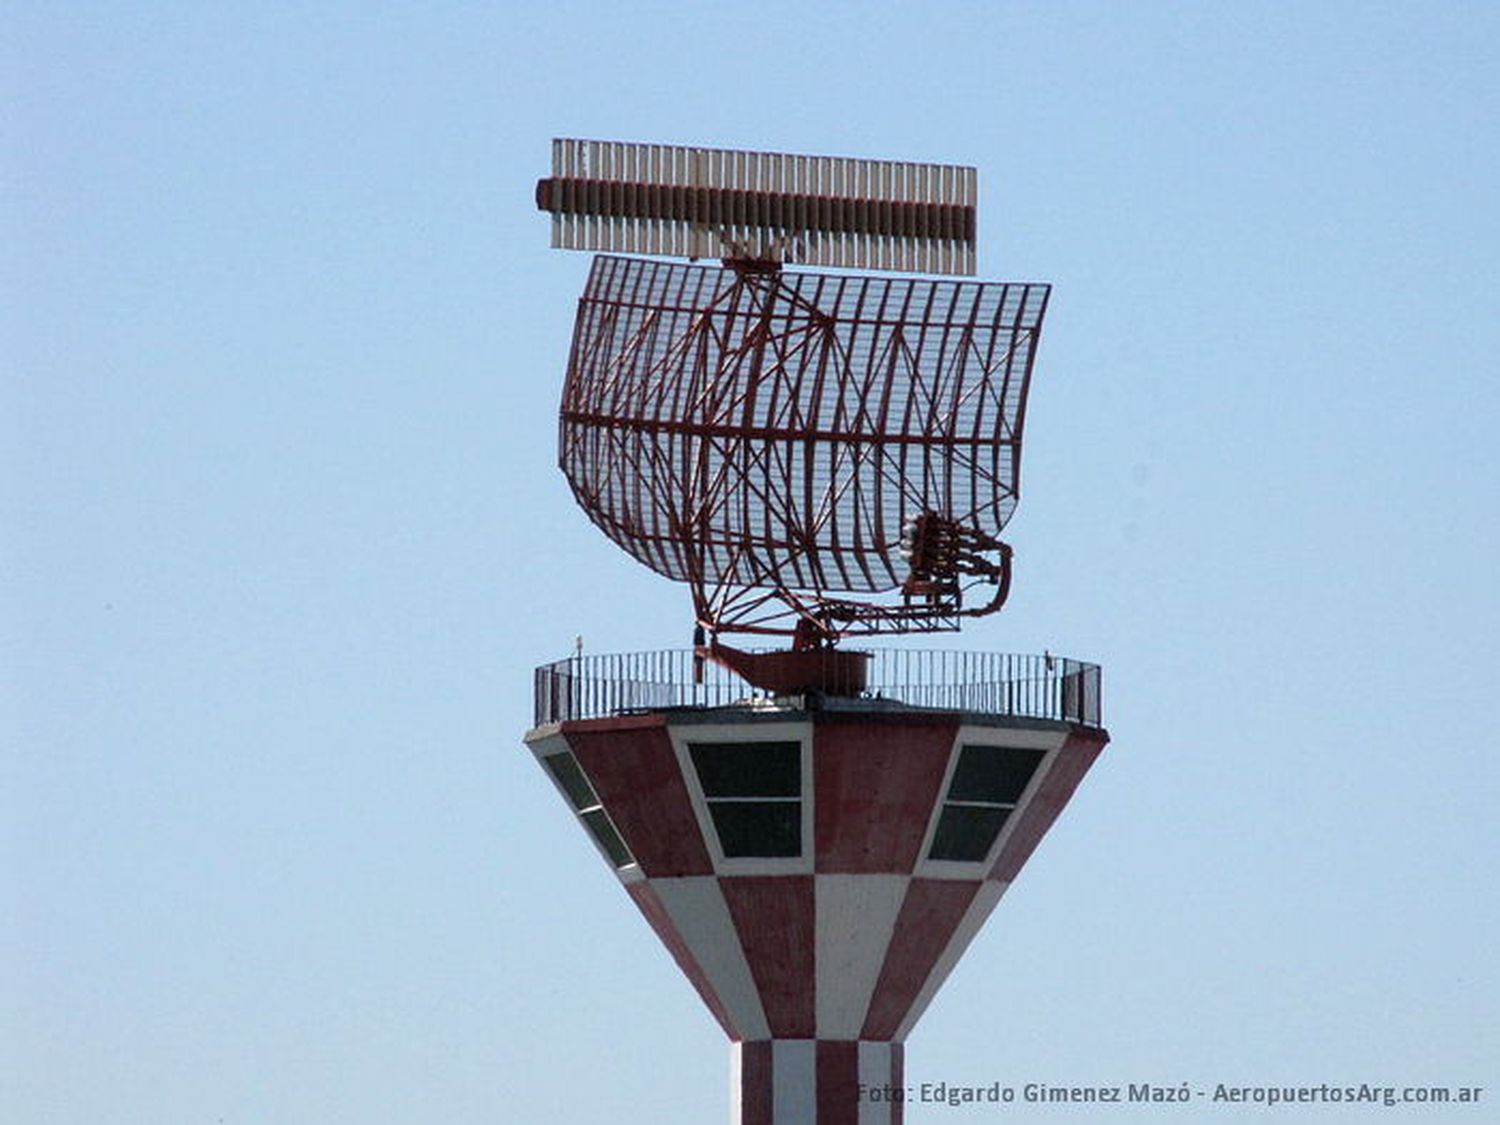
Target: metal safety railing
(1036, 687)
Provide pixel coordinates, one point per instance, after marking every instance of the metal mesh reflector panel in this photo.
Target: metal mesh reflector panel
(743, 430)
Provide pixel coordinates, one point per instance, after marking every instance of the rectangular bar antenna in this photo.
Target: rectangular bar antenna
(761, 206)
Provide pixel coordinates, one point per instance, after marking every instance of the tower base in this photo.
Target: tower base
(816, 1082)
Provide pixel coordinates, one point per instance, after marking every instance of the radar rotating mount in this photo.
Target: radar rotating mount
(817, 455)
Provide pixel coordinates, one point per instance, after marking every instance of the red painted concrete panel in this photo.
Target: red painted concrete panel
(774, 917)
(876, 784)
(613, 723)
(838, 1082)
(656, 914)
(635, 773)
(1072, 762)
(928, 918)
(756, 1091)
(898, 1081)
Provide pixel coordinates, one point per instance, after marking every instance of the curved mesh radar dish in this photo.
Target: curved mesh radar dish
(813, 454)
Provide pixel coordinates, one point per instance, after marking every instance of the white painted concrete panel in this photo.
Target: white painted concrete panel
(736, 1081)
(855, 917)
(697, 908)
(874, 1073)
(794, 1080)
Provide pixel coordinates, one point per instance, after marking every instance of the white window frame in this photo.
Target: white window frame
(748, 733)
(1012, 738)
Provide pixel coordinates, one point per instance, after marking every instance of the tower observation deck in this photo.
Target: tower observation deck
(816, 865)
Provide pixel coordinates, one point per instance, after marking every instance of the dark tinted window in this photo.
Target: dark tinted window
(994, 774)
(758, 828)
(748, 769)
(602, 830)
(967, 832)
(565, 768)
(753, 790)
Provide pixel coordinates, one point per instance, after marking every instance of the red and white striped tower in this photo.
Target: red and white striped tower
(816, 872)
(815, 837)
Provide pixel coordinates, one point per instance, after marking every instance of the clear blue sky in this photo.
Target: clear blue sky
(281, 343)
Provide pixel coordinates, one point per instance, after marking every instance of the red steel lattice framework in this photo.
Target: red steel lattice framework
(815, 455)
